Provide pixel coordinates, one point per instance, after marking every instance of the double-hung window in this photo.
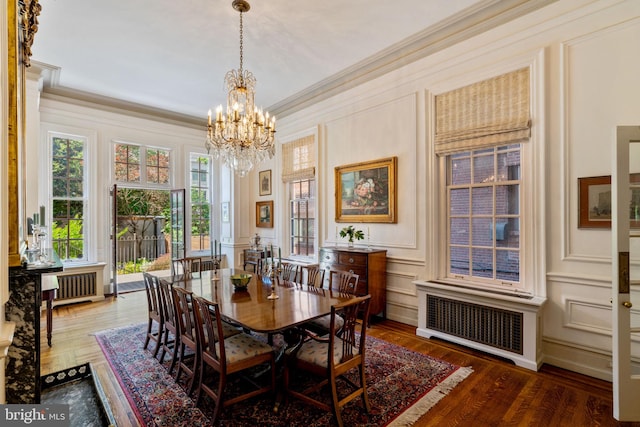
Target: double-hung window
(482, 133)
(298, 158)
(483, 208)
(69, 196)
(200, 195)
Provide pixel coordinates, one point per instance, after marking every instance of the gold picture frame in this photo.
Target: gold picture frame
(264, 214)
(366, 191)
(264, 182)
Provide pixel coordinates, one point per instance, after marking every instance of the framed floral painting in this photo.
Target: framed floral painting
(366, 191)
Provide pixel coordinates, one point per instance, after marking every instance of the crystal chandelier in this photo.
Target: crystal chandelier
(244, 136)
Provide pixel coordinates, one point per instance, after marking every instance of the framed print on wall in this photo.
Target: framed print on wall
(594, 202)
(264, 214)
(264, 182)
(366, 191)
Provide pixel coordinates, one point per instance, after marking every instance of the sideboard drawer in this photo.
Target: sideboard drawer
(369, 265)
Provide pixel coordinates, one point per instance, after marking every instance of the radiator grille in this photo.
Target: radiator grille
(76, 286)
(487, 325)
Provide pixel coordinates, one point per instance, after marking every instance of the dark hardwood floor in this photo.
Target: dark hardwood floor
(498, 393)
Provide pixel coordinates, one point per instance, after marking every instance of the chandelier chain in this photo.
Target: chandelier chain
(241, 44)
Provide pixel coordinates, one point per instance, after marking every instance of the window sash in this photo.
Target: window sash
(480, 257)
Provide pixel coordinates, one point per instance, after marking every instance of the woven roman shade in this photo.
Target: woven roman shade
(485, 114)
(298, 159)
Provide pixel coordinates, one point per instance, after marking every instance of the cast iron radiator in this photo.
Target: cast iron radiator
(487, 325)
(76, 286)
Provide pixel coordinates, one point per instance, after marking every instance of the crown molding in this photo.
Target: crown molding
(468, 23)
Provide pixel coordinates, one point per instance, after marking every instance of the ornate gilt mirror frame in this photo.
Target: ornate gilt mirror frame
(22, 26)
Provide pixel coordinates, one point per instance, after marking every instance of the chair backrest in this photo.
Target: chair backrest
(343, 282)
(352, 334)
(168, 305)
(315, 276)
(209, 331)
(153, 293)
(184, 309)
(186, 266)
(289, 272)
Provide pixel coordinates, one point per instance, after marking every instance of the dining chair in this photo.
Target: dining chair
(155, 313)
(315, 276)
(187, 363)
(344, 282)
(289, 274)
(331, 357)
(186, 266)
(227, 356)
(171, 336)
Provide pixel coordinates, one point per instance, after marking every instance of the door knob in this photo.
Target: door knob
(627, 304)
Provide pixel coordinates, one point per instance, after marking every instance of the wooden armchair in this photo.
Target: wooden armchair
(331, 357)
(227, 355)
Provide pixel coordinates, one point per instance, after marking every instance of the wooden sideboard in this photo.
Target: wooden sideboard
(370, 265)
(254, 257)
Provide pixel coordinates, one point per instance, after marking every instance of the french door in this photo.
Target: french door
(625, 231)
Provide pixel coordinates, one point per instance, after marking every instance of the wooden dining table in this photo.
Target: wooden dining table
(251, 308)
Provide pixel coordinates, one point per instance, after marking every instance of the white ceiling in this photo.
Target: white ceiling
(172, 55)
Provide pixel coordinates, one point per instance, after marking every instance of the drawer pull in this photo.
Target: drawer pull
(327, 257)
(351, 260)
(351, 271)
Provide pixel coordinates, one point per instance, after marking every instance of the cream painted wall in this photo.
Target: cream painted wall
(583, 55)
(585, 65)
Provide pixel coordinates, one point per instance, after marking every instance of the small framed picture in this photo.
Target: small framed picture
(264, 182)
(224, 213)
(594, 200)
(264, 214)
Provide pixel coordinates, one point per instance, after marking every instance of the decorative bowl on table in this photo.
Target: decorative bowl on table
(240, 281)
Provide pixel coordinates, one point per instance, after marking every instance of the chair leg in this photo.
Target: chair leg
(174, 355)
(149, 328)
(363, 384)
(335, 404)
(159, 342)
(220, 403)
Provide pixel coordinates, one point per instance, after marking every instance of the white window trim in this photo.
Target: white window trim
(286, 197)
(532, 190)
(90, 185)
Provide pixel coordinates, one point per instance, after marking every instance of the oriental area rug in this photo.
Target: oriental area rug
(402, 386)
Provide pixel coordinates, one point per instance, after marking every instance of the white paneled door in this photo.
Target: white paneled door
(625, 231)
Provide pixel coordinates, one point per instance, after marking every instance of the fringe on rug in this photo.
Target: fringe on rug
(422, 406)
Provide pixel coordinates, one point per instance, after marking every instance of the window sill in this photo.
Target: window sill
(453, 286)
